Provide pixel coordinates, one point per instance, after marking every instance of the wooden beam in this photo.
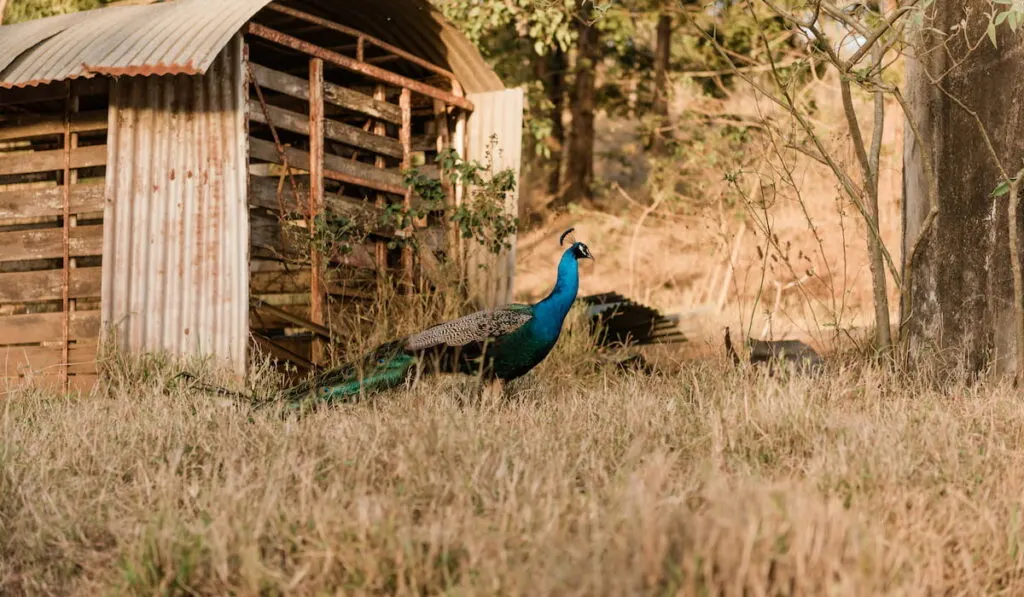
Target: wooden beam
(319, 330)
(80, 383)
(333, 130)
(317, 300)
(335, 168)
(44, 161)
(69, 145)
(39, 286)
(281, 353)
(362, 38)
(31, 127)
(24, 360)
(48, 243)
(405, 136)
(296, 280)
(380, 254)
(265, 233)
(44, 327)
(355, 66)
(48, 201)
(53, 92)
(333, 94)
(263, 193)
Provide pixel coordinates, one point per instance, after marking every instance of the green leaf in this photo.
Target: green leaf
(1001, 189)
(1001, 17)
(992, 34)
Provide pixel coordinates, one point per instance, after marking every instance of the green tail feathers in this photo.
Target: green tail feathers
(386, 367)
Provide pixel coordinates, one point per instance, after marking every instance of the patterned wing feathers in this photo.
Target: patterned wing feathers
(475, 327)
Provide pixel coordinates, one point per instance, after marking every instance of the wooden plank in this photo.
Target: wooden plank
(33, 287)
(367, 70)
(333, 130)
(54, 91)
(335, 168)
(317, 300)
(265, 233)
(333, 94)
(48, 243)
(31, 127)
(381, 200)
(45, 327)
(263, 193)
(264, 319)
(362, 39)
(81, 383)
(43, 161)
(322, 331)
(26, 360)
(298, 280)
(281, 353)
(405, 135)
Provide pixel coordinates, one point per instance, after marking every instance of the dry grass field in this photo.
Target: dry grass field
(701, 480)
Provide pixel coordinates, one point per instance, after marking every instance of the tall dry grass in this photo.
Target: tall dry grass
(702, 480)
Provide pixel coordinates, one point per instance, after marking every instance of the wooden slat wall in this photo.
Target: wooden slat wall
(362, 166)
(358, 153)
(32, 196)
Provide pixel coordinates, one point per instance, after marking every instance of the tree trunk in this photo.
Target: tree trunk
(956, 257)
(579, 170)
(662, 52)
(554, 85)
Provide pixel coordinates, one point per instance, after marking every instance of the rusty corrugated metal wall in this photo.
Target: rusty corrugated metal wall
(176, 236)
(498, 114)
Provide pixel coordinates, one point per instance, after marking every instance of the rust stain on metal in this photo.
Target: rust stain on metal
(358, 67)
(175, 270)
(159, 69)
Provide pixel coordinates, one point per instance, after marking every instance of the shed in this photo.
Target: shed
(157, 162)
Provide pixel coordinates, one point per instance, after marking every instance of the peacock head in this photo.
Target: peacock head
(579, 250)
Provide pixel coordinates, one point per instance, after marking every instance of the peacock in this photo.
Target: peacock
(498, 344)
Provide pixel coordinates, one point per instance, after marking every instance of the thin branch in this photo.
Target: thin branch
(1018, 278)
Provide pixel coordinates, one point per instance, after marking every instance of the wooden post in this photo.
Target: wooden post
(65, 293)
(379, 128)
(317, 305)
(405, 137)
(444, 141)
(459, 145)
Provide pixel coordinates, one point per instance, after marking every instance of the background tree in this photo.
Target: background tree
(25, 10)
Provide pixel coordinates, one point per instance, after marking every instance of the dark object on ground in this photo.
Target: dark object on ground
(619, 321)
(800, 356)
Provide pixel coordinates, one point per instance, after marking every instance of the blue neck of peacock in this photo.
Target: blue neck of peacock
(550, 312)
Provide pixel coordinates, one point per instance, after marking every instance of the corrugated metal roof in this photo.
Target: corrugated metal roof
(185, 36)
(182, 37)
(16, 39)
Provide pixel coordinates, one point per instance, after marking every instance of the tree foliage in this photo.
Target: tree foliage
(25, 10)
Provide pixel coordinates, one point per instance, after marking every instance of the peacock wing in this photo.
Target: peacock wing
(475, 327)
